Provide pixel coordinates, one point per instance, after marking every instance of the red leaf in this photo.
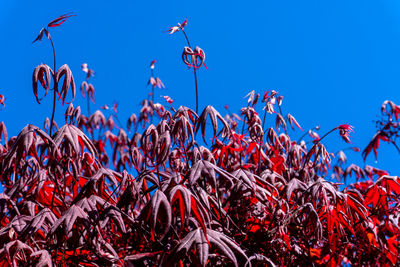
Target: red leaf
(60, 20)
(374, 144)
(42, 32)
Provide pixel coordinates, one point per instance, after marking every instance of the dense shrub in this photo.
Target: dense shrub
(95, 193)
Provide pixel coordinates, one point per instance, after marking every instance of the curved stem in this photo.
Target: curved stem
(280, 111)
(152, 87)
(152, 96)
(197, 91)
(119, 122)
(265, 115)
(55, 86)
(187, 39)
(87, 99)
(395, 145)
(259, 156)
(152, 104)
(88, 105)
(319, 141)
(54, 54)
(195, 75)
(299, 140)
(244, 120)
(54, 107)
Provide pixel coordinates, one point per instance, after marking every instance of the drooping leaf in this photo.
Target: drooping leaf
(73, 138)
(60, 20)
(70, 218)
(42, 74)
(196, 240)
(214, 115)
(68, 82)
(157, 201)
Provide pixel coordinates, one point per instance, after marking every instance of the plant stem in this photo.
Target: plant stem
(319, 141)
(187, 39)
(244, 120)
(398, 149)
(299, 140)
(197, 91)
(88, 105)
(152, 87)
(265, 115)
(152, 96)
(280, 111)
(87, 101)
(119, 122)
(55, 86)
(54, 54)
(259, 155)
(54, 107)
(195, 75)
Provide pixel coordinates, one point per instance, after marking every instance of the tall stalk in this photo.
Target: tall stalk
(88, 105)
(152, 96)
(45, 32)
(194, 72)
(152, 88)
(55, 87)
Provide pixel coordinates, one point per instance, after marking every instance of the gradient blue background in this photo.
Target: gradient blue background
(334, 61)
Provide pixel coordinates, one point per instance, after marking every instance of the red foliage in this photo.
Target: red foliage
(93, 195)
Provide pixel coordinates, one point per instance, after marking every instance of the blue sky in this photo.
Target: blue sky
(335, 62)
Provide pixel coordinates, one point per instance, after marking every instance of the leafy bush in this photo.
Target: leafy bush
(95, 193)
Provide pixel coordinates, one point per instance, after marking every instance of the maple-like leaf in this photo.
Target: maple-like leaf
(202, 169)
(68, 82)
(163, 146)
(88, 89)
(15, 252)
(104, 211)
(97, 120)
(26, 144)
(214, 114)
(149, 141)
(112, 212)
(73, 114)
(323, 191)
(356, 170)
(43, 220)
(188, 204)
(132, 120)
(157, 201)
(294, 185)
(42, 32)
(198, 241)
(73, 139)
(72, 217)
(183, 196)
(16, 225)
(292, 121)
(182, 130)
(42, 74)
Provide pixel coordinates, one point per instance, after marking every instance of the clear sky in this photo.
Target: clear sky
(335, 61)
